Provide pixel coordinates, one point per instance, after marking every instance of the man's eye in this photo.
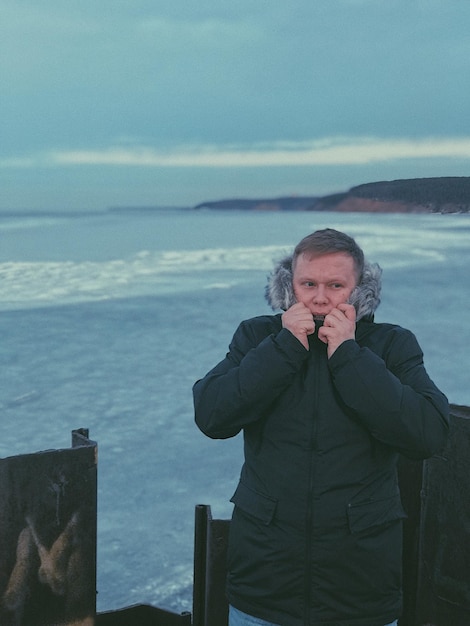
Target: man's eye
(337, 285)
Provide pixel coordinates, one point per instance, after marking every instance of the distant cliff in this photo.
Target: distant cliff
(415, 195)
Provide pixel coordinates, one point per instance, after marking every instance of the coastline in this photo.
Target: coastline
(446, 195)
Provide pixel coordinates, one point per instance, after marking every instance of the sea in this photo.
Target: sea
(108, 318)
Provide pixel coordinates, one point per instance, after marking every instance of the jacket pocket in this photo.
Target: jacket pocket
(253, 503)
(363, 515)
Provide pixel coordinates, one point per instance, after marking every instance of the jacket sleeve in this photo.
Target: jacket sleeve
(393, 397)
(260, 364)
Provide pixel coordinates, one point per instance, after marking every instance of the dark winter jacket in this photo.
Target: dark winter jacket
(315, 537)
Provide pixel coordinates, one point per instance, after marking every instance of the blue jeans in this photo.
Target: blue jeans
(237, 618)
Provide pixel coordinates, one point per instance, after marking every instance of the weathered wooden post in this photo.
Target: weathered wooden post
(436, 496)
(48, 536)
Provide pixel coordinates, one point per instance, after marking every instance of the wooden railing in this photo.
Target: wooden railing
(48, 542)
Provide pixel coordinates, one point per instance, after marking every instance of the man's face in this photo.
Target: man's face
(323, 282)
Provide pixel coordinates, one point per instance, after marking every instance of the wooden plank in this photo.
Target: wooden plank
(48, 537)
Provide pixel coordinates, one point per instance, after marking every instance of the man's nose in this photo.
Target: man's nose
(320, 295)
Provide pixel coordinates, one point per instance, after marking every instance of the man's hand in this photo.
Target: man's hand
(339, 326)
(299, 320)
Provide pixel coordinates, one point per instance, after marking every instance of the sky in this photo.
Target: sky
(107, 103)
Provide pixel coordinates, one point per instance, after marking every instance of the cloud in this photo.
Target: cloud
(334, 151)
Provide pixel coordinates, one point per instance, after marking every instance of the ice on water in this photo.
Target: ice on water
(108, 319)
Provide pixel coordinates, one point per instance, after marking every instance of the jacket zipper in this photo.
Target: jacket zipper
(310, 505)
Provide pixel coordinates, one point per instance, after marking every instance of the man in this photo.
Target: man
(327, 400)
